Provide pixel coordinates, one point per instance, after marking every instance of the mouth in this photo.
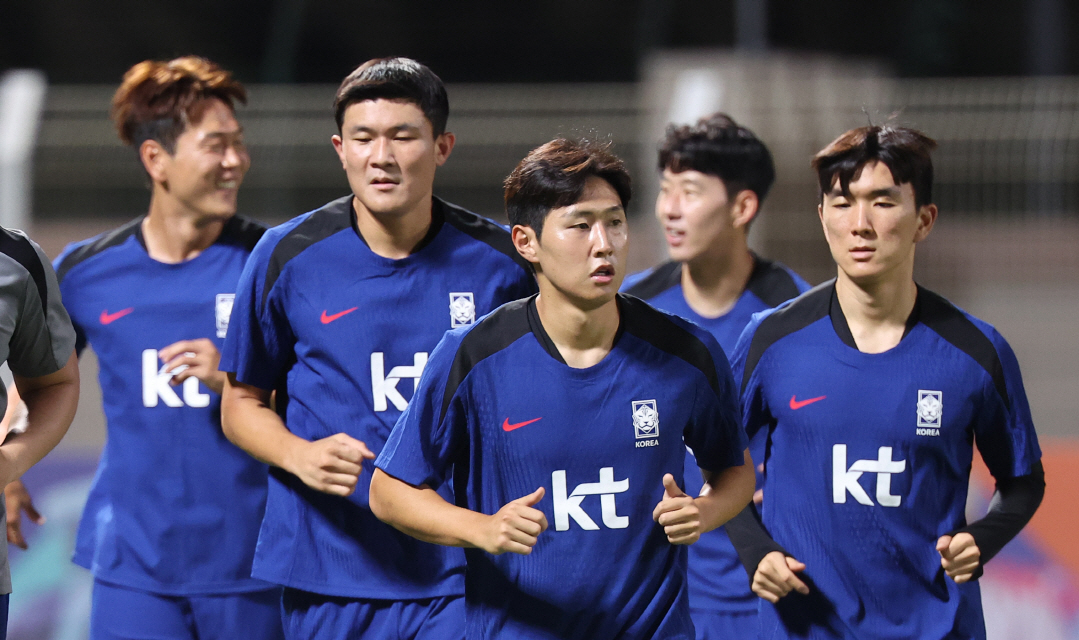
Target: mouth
(674, 237)
(384, 182)
(861, 254)
(604, 274)
(227, 184)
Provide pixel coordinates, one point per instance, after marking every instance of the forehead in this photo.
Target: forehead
(214, 116)
(692, 177)
(597, 197)
(383, 114)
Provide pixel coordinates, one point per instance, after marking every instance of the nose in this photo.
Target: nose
(861, 224)
(381, 153)
(668, 206)
(234, 157)
(601, 240)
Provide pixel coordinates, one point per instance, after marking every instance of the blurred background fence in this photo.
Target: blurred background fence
(1006, 246)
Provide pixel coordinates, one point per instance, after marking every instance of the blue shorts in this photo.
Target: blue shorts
(724, 625)
(120, 613)
(309, 615)
(4, 601)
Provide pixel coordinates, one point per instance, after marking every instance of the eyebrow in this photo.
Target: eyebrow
(224, 134)
(571, 212)
(411, 126)
(886, 192)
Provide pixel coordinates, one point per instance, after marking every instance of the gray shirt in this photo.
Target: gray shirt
(36, 336)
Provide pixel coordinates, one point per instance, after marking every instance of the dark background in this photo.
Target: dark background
(77, 41)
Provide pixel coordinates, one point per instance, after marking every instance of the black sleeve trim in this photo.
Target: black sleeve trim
(659, 280)
(21, 250)
(104, 241)
(321, 224)
(750, 539)
(243, 231)
(659, 330)
(484, 230)
(812, 306)
(1012, 507)
(770, 282)
(949, 323)
(497, 331)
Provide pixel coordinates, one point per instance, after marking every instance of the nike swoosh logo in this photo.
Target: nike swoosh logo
(506, 426)
(109, 318)
(328, 319)
(798, 404)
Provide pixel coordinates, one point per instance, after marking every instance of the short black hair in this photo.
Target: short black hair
(718, 146)
(904, 151)
(395, 79)
(554, 175)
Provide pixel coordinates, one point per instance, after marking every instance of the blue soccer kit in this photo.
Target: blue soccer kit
(174, 508)
(500, 412)
(720, 600)
(342, 335)
(868, 461)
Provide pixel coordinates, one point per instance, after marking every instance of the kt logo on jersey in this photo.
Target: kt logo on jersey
(156, 387)
(462, 309)
(646, 423)
(568, 506)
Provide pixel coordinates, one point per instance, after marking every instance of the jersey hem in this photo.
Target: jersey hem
(248, 585)
(377, 593)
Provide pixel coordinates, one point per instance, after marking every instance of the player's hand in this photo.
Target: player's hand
(516, 526)
(18, 499)
(198, 358)
(678, 514)
(776, 576)
(331, 465)
(959, 555)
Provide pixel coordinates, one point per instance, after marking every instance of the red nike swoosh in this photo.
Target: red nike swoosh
(506, 426)
(328, 319)
(798, 404)
(109, 318)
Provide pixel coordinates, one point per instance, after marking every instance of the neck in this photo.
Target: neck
(712, 284)
(175, 234)
(584, 336)
(876, 312)
(393, 236)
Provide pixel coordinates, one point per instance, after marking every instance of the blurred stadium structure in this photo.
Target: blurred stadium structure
(1006, 246)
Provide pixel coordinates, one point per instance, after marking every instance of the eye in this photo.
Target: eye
(581, 225)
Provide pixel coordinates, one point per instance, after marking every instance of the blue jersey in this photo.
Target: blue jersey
(175, 507)
(342, 335)
(501, 411)
(717, 581)
(869, 457)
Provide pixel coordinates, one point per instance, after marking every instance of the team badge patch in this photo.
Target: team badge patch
(930, 410)
(462, 309)
(223, 311)
(645, 420)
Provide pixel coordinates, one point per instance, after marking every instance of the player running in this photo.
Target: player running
(337, 312)
(873, 392)
(716, 175)
(569, 409)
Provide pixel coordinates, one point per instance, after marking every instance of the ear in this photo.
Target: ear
(443, 147)
(339, 147)
(927, 217)
(526, 242)
(820, 216)
(744, 209)
(155, 160)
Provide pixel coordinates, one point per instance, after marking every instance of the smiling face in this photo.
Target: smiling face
(204, 172)
(582, 251)
(389, 153)
(872, 231)
(695, 213)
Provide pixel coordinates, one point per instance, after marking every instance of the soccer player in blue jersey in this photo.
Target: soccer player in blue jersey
(337, 312)
(572, 408)
(172, 516)
(716, 175)
(873, 392)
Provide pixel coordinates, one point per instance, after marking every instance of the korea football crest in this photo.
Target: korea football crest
(646, 423)
(930, 411)
(223, 311)
(462, 309)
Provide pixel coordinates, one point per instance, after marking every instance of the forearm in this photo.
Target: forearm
(1012, 506)
(51, 402)
(250, 423)
(422, 513)
(725, 494)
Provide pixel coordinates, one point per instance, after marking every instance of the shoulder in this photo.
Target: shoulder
(769, 327)
(774, 283)
(493, 333)
(22, 259)
(973, 336)
(649, 284)
(482, 230)
(79, 252)
(281, 244)
(243, 232)
(676, 337)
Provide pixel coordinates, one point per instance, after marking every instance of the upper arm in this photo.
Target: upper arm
(715, 431)
(42, 337)
(1004, 431)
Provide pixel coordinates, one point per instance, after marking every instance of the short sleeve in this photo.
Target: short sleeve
(754, 412)
(259, 343)
(1004, 431)
(43, 338)
(65, 294)
(433, 430)
(714, 432)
